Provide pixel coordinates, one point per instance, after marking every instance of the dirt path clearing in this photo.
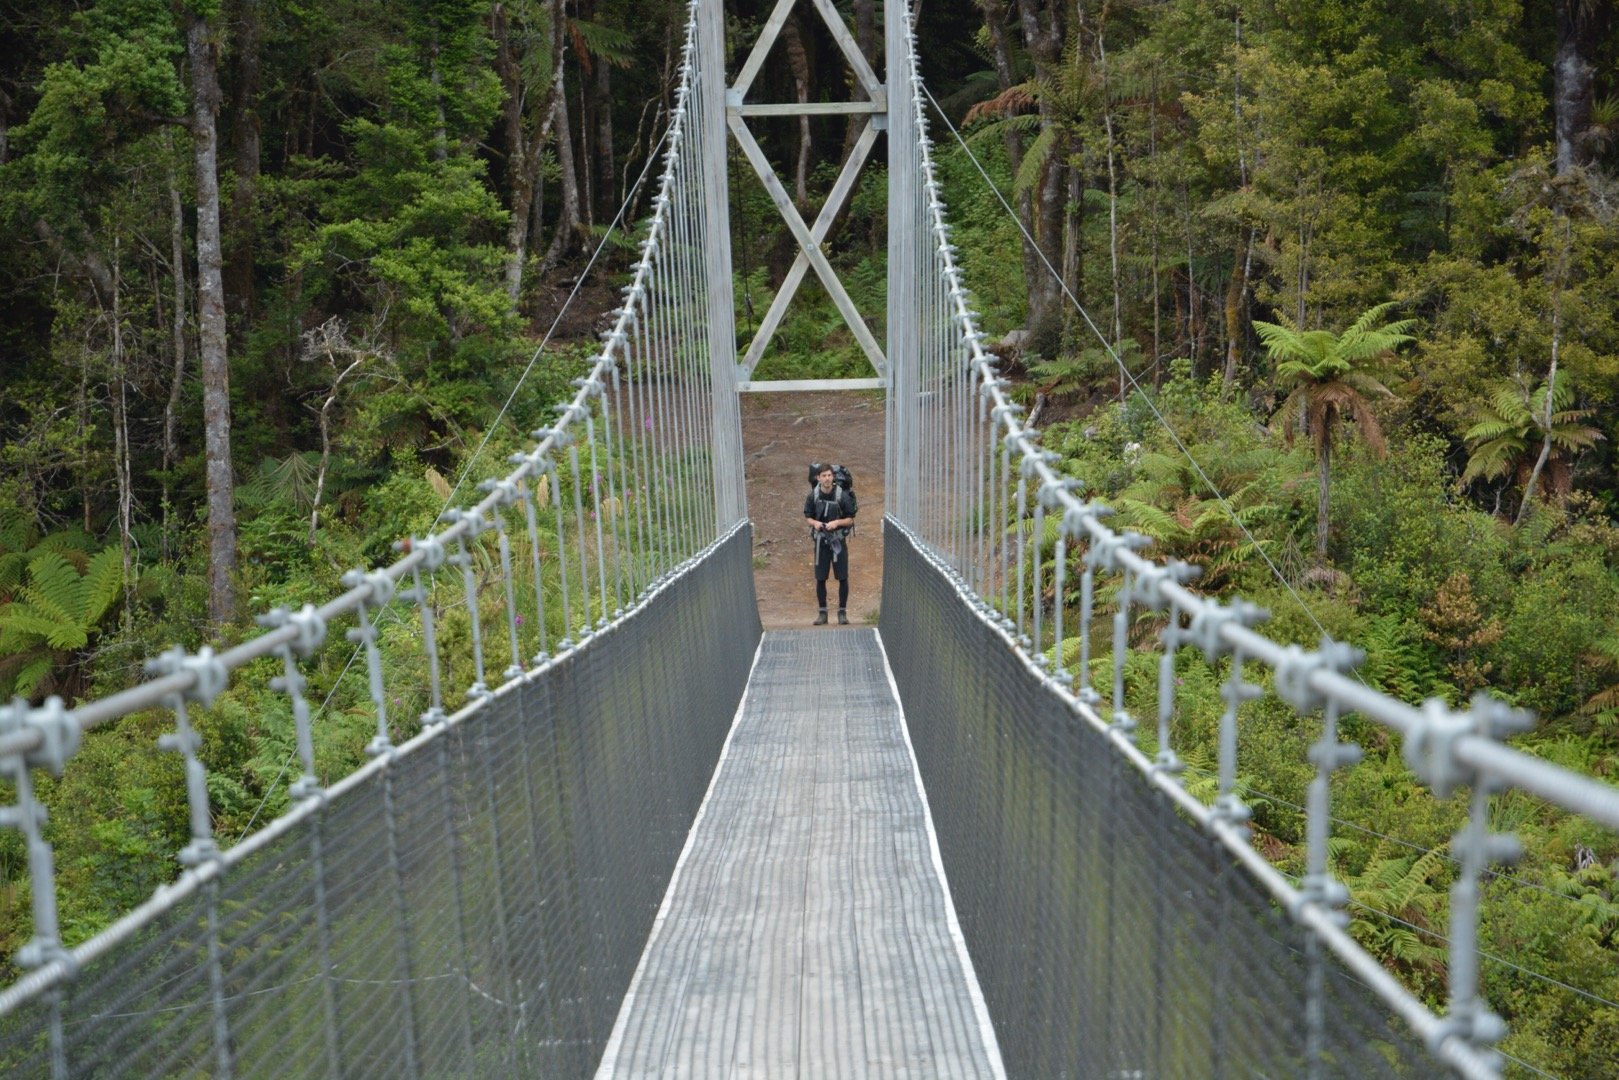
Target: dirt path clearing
(781, 435)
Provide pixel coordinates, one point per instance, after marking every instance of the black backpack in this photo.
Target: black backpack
(841, 476)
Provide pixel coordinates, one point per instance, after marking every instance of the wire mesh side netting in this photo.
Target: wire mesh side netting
(1112, 937)
(473, 906)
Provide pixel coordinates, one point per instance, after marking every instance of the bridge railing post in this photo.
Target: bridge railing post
(59, 736)
(506, 492)
(618, 487)
(209, 678)
(1318, 887)
(592, 389)
(905, 275)
(1432, 752)
(376, 589)
(311, 634)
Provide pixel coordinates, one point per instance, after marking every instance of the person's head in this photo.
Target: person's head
(825, 477)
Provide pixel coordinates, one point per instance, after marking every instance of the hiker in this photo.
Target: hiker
(830, 509)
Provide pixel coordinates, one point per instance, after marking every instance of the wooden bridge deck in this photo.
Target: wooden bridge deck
(808, 931)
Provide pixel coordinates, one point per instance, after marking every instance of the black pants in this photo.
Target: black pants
(838, 566)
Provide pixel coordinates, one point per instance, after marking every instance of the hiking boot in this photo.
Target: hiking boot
(820, 620)
(843, 617)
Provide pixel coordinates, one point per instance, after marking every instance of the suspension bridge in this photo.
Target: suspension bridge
(609, 826)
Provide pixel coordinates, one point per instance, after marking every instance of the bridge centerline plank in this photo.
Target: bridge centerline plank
(807, 931)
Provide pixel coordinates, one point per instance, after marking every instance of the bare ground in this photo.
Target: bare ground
(781, 435)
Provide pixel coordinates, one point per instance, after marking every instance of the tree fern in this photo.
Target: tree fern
(1605, 656)
(1509, 428)
(1396, 899)
(1395, 660)
(289, 481)
(53, 613)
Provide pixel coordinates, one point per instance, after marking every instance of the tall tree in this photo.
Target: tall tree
(528, 44)
(1580, 26)
(1013, 96)
(1329, 381)
(1513, 428)
(202, 50)
(1045, 33)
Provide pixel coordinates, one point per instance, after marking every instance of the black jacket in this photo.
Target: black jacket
(840, 504)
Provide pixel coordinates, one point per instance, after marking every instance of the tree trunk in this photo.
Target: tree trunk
(1560, 278)
(1112, 205)
(996, 13)
(81, 428)
(606, 169)
(246, 137)
(1241, 262)
(1573, 74)
(517, 167)
(120, 438)
(1546, 442)
(867, 41)
(1192, 351)
(798, 68)
(203, 51)
(1152, 218)
(1044, 36)
(1073, 240)
(525, 150)
(792, 44)
(1324, 462)
(326, 428)
(177, 330)
(570, 219)
(1234, 294)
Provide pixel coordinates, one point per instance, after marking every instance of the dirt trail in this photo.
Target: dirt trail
(781, 435)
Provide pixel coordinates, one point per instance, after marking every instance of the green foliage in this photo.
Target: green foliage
(1397, 903)
(1396, 661)
(55, 597)
(1510, 429)
(1336, 156)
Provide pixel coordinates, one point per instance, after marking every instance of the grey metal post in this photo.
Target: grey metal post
(507, 489)
(570, 415)
(726, 454)
(618, 486)
(1036, 603)
(904, 192)
(463, 558)
(525, 495)
(380, 589)
(1122, 720)
(210, 678)
(631, 439)
(593, 388)
(311, 633)
(60, 734)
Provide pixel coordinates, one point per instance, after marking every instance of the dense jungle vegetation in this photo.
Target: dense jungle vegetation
(273, 269)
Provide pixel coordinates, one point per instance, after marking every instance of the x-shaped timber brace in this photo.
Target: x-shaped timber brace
(875, 110)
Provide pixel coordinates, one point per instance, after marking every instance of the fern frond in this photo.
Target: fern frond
(21, 627)
(55, 589)
(1034, 160)
(1507, 405)
(1147, 519)
(33, 672)
(103, 582)
(1493, 428)
(12, 564)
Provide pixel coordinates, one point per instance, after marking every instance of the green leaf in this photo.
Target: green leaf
(103, 583)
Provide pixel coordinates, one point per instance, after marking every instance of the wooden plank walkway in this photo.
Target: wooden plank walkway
(807, 931)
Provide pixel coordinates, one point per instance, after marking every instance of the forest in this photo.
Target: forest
(1322, 297)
